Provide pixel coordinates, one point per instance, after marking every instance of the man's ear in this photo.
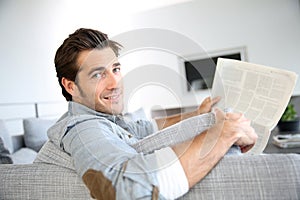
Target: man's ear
(68, 85)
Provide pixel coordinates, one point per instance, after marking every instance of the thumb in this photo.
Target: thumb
(220, 115)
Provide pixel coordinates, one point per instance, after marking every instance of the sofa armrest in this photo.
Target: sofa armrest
(266, 176)
(40, 181)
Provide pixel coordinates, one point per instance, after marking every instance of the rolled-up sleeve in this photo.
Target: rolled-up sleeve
(96, 145)
(171, 171)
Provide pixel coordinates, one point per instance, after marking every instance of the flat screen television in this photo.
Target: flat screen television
(200, 70)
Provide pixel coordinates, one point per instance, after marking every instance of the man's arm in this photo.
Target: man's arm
(199, 156)
(100, 155)
(106, 163)
(205, 107)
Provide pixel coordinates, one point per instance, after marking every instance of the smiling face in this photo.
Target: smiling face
(98, 83)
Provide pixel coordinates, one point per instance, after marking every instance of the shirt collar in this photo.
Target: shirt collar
(80, 109)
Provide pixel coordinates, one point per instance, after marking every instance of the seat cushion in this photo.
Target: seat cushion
(23, 156)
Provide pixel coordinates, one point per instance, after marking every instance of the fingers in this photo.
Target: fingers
(240, 117)
(247, 139)
(220, 115)
(207, 99)
(246, 148)
(206, 105)
(215, 100)
(237, 124)
(212, 101)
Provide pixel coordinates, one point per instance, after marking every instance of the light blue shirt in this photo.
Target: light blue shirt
(95, 141)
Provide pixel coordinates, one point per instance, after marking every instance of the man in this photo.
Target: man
(94, 133)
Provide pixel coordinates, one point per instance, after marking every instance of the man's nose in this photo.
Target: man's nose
(112, 80)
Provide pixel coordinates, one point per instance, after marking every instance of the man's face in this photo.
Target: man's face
(98, 84)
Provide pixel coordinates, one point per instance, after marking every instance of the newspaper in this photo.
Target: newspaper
(261, 93)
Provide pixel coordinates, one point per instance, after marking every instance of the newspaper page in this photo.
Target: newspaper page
(261, 93)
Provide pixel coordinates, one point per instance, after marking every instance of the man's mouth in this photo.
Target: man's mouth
(112, 97)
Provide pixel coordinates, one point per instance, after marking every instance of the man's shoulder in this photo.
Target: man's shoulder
(86, 119)
(82, 121)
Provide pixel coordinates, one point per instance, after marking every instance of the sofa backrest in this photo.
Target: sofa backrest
(14, 113)
(40, 181)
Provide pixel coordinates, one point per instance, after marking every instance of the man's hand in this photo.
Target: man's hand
(235, 124)
(201, 154)
(205, 107)
(207, 104)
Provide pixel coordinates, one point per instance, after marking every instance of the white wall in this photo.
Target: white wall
(31, 31)
(269, 29)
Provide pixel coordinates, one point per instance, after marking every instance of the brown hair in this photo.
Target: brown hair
(66, 55)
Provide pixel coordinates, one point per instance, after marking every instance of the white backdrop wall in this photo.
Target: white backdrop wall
(32, 30)
(269, 29)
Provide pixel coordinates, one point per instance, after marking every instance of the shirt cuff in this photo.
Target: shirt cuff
(171, 177)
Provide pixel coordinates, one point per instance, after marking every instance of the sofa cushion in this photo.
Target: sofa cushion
(137, 115)
(4, 154)
(6, 137)
(35, 132)
(24, 156)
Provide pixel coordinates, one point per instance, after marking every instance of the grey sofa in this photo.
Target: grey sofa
(266, 176)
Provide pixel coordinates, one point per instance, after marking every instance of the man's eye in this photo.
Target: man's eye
(117, 69)
(98, 75)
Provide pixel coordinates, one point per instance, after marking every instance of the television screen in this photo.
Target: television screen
(200, 72)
